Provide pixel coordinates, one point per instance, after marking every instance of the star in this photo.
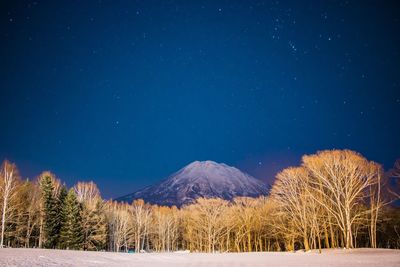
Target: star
(292, 46)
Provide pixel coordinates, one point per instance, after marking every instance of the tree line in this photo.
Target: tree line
(335, 199)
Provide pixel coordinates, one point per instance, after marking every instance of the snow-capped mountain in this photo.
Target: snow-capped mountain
(200, 179)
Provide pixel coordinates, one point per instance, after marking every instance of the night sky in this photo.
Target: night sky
(126, 92)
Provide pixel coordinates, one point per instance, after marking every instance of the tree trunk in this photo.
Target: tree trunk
(305, 241)
(3, 218)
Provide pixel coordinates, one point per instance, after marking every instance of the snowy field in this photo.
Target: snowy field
(355, 257)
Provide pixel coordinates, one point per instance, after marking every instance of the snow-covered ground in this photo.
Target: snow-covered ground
(355, 257)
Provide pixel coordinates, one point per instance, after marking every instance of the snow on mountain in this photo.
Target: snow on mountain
(200, 179)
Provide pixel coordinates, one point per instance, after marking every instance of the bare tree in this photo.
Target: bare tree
(140, 215)
(119, 227)
(290, 192)
(394, 173)
(376, 201)
(205, 224)
(9, 180)
(245, 222)
(343, 177)
(164, 228)
(396, 169)
(27, 216)
(87, 192)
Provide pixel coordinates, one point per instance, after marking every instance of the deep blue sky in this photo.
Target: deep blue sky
(126, 92)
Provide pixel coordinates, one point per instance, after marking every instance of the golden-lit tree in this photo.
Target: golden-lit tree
(141, 219)
(92, 214)
(28, 214)
(291, 194)
(343, 177)
(164, 228)
(87, 192)
(245, 220)
(205, 224)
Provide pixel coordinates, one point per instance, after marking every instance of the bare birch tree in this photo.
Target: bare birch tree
(119, 225)
(9, 180)
(141, 218)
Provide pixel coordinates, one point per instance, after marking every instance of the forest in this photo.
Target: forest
(334, 199)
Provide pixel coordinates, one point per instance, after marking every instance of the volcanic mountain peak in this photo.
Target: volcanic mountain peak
(200, 179)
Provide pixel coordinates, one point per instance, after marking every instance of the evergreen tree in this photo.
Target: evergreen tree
(60, 202)
(62, 196)
(51, 212)
(71, 234)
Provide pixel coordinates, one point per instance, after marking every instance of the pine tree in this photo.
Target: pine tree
(51, 212)
(71, 234)
(60, 202)
(61, 197)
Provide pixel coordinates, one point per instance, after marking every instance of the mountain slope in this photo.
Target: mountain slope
(200, 179)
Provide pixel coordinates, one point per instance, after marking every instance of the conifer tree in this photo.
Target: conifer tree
(71, 234)
(51, 212)
(60, 203)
